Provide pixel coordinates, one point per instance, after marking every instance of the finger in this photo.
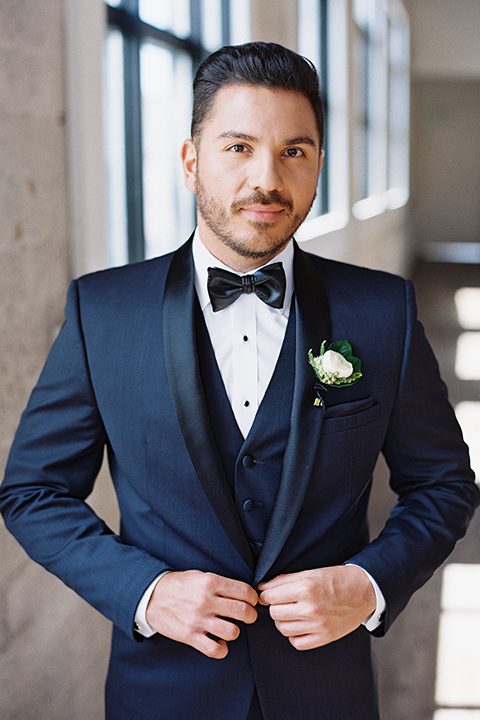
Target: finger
(277, 581)
(209, 646)
(284, 593)
(236, 590)
(287, 612)
(222, 629)
(284, 582)
(303, 587)
(305, 636)
(308, 642)
(292, 629)
(235, 610)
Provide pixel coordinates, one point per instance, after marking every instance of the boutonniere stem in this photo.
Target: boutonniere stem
(322, 394)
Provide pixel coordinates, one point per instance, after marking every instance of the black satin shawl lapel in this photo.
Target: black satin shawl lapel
(187, 392)
(313, 326)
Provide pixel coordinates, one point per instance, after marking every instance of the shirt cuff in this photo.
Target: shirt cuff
(140, 624)
(376, 618)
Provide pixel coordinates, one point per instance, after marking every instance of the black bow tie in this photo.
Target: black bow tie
(268, 284)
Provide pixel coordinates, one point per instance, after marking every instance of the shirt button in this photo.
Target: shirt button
(245, 338)
(246, 403)
(247, 461)
(248, 505)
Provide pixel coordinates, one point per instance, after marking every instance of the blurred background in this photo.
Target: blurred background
(94, 103)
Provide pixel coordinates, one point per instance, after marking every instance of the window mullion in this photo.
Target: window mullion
(196, 22)
(133, 148)
(130, 5)
(324, 199)
(225, 22)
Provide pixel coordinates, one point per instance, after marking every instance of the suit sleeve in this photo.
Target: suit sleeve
(53, 464)
(430, 473)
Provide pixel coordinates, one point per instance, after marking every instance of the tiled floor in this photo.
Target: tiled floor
(424, 673)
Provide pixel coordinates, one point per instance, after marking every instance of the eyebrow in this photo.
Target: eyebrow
(302, 140)
(235, 135)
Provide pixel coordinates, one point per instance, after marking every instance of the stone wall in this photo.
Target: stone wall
(50, 640)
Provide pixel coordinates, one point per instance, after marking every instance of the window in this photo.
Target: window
(312, 43)
(381, 106)
(370, 100)
(151, 53)
(399, 105)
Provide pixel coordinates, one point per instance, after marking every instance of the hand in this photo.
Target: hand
(192, 606)
(316, 607)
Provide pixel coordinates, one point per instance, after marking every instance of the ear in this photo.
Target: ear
(320, 162)
(189, 162)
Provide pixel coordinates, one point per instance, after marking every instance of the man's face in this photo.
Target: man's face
(254, 169)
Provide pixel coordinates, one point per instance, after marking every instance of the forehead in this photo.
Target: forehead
(262, 112)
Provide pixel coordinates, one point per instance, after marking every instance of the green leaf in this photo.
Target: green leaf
(343, 347)
(343, 382)
(357, 364)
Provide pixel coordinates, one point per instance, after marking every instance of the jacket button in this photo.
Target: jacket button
(248, 505)
(247, 461)
(256, 546)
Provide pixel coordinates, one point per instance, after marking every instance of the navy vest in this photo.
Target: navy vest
(252, 465)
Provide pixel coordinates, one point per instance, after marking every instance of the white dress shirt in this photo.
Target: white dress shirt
(247, 337)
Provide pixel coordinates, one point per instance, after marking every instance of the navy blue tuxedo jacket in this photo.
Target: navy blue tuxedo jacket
(124, 374)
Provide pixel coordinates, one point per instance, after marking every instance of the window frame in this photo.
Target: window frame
(125, 18)
(322, 53)
(376, 123)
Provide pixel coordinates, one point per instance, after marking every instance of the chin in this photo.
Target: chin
(258, 249)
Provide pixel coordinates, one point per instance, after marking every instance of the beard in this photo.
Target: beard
(263, 241)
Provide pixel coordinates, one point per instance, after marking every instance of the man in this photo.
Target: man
(243, 583)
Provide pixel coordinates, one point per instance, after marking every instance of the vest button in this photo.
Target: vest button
(248, 505)
(247, 461)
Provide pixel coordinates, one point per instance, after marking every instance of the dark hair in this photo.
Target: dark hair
(257, 63)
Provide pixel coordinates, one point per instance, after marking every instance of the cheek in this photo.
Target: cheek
(306, 188)
(229, 173)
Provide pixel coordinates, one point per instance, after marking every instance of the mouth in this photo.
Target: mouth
(263, 213)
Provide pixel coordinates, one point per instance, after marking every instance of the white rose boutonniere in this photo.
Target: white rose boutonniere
(335, 366)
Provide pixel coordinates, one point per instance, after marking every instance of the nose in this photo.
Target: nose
(266, 173)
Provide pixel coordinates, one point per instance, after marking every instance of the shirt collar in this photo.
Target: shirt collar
(203, 259)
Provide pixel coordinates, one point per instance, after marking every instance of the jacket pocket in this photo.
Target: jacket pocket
(350, 415)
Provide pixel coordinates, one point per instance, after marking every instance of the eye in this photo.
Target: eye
(238, 148)
(294, 152)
